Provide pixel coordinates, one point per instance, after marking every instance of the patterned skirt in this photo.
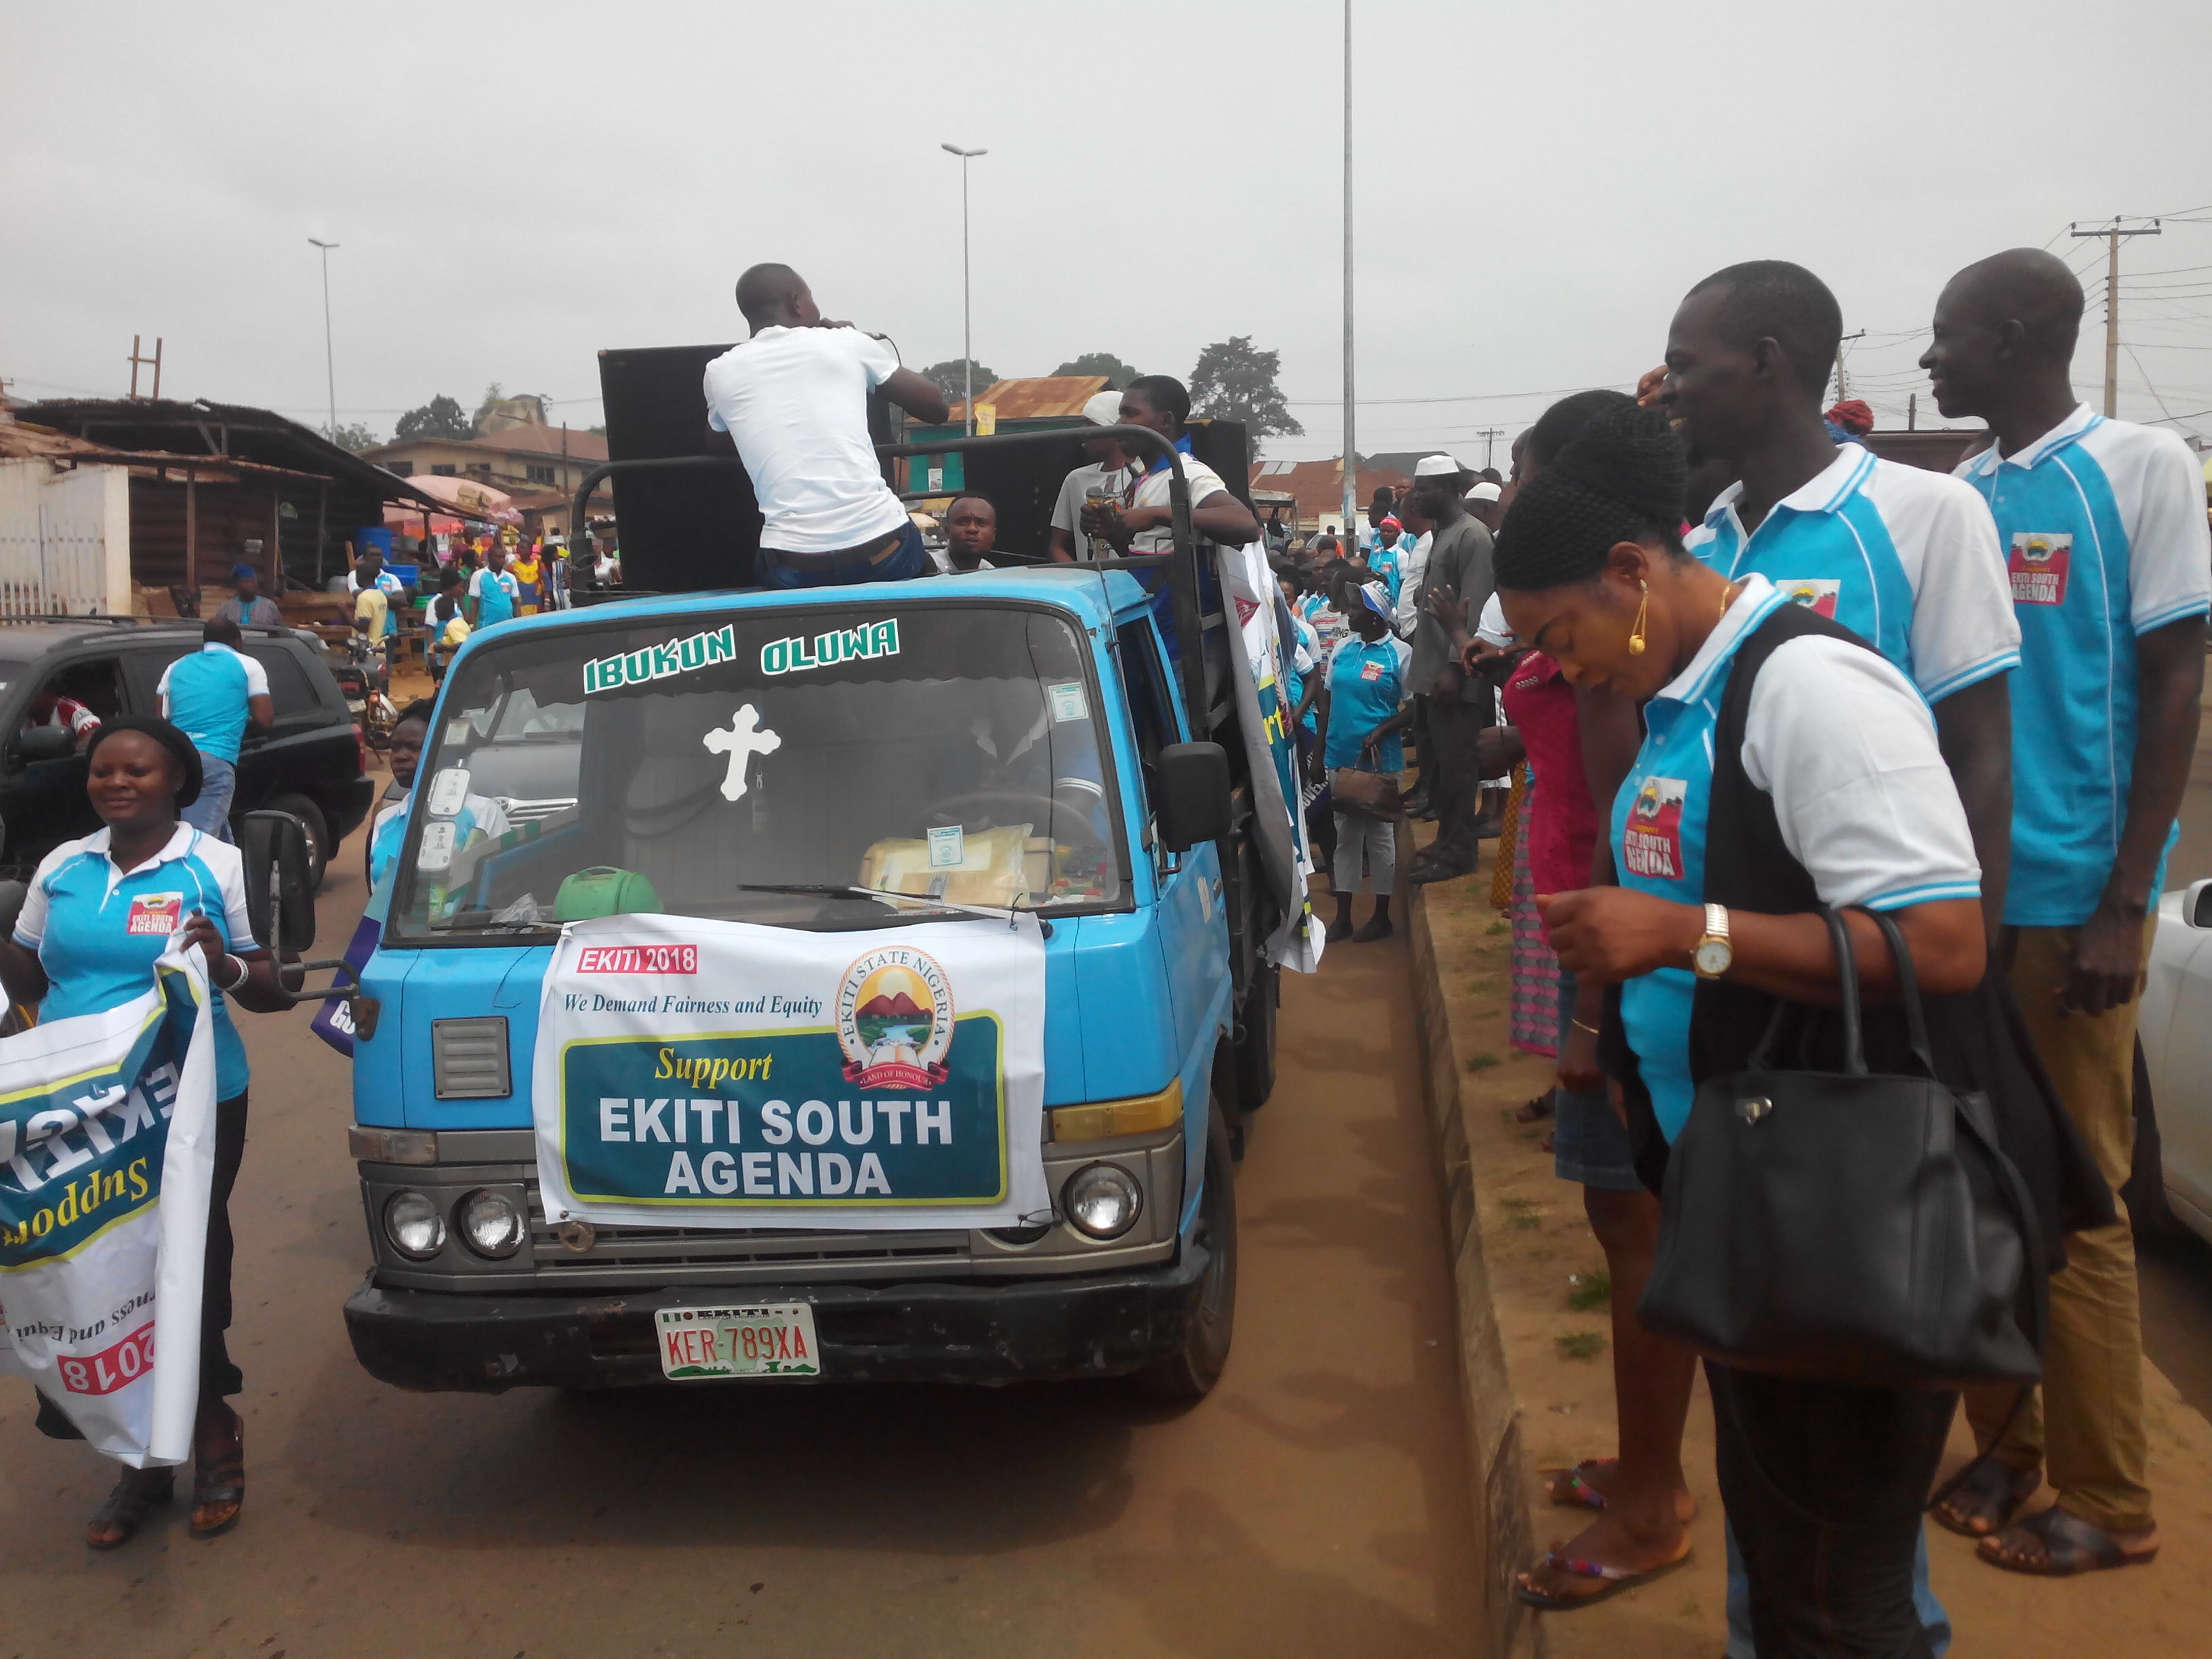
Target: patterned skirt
(1533, 1016)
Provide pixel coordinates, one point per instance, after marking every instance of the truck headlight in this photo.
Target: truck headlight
(491, 1224)
(1102, 1200)
(416, 1229)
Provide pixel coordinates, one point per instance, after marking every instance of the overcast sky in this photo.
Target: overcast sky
(516, 187)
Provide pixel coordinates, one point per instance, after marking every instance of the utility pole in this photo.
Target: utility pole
(2113, 232)
(1490, 435)
(154, 361)
(330, 368)
(1843, 384)
(1351, 446)
(967, 314)
(1913, 411)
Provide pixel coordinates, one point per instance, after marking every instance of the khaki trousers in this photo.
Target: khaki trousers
(2089, 1432)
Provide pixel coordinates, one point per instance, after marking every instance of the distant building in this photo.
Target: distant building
(1318, 489)
(540, 466)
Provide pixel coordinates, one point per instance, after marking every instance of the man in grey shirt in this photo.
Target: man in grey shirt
(251, 608)
(1110, 471)
(1459, 707)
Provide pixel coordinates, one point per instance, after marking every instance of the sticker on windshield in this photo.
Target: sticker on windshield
(876, 639)
(746, 738)
(948, 847)
(449, 792)
(1068, 701)
(659, 662)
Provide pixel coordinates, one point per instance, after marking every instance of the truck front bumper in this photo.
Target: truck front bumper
(1013, 1331)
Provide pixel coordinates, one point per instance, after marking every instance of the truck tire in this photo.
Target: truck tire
(1191, 1369)
(2149, 1215)
(319, 835)
(1255, 1043)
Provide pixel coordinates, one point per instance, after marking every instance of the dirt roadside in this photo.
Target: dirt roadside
(1539, 1387)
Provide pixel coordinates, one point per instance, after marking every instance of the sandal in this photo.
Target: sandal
(1615, 1579)
(1534, 1111)
(220, 1486)
(1982, 1498)
(2067, 1544)
(1569, 1491)
(136, 1495)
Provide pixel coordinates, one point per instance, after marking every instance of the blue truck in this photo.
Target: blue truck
(1041, 711)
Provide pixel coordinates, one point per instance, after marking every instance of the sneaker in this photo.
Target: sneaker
(1450, 869)
(1339, 931)
(1378, 926)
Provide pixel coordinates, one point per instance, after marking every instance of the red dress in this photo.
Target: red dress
(1559, 820)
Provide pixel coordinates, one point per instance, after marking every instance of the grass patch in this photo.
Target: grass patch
(1499, 928)
(1589, 1290)
(1483, 1061)
(1522, 1214)
(1579, 1345)
(1487, 986)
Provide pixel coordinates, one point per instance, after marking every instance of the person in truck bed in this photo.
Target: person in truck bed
(793, 398)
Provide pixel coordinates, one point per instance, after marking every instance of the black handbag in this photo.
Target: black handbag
(1846, 1227)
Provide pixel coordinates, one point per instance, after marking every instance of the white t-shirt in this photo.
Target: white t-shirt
(1153, 490)
(795, 400)
(1075, 487)
(1413, 565)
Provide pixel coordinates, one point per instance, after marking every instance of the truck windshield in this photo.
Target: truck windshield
(759, 766)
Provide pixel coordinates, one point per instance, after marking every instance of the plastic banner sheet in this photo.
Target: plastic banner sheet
(1279, 822)
(695, 1073)
(106, 1148)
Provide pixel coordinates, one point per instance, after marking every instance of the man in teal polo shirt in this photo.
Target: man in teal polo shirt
(2102, 538)
(210, 696)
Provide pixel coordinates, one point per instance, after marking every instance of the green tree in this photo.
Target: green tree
(948, 377)
(1118, 373)
(356, 437)
(442, 418)
(493, 393)
(1234, 382)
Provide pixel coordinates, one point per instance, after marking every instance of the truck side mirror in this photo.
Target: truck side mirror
(279, 903)
(1193, 794)
(46, 743)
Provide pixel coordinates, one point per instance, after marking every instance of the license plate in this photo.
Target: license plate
(761, 1341)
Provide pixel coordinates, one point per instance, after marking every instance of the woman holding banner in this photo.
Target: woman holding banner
(100, 912)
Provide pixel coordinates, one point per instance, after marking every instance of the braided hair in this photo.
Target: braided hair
(1564, 419)
(1619, 479)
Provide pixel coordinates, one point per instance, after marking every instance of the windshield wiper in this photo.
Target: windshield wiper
(489, 921)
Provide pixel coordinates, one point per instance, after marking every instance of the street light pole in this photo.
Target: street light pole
(967, 312)
(330, 367)
(1351, 464)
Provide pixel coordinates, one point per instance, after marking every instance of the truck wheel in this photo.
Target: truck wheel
(2144, 1191)
(319, 835)
(1255, 1046)
(1192, 1369)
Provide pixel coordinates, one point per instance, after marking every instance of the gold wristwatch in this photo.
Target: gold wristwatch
(1712, 955)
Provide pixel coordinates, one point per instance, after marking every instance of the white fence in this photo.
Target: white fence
(64, 539)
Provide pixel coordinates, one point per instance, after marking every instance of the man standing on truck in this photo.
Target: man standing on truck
(1107, 474)
(209, 696)
(793, 398)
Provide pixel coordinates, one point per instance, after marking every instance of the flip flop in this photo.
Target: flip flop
(220, 1484)
(1988, 1490)
(136, 1495)
(1568, 1490)
(1616, 1579)
(1535, 1111)
(2070, 1546)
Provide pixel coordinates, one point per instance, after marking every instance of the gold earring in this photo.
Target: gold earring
(1636, 633)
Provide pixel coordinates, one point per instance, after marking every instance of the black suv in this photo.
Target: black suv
(309, 763)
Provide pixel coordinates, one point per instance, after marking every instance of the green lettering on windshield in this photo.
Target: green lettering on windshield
(877, 639)
(657, 662)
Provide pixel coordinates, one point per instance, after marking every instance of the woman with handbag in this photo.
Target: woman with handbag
(1362, 710)
(1789, 769)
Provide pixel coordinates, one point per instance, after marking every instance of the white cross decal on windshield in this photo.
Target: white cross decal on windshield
(745, 739)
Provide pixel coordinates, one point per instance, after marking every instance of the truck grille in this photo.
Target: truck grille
(773, 1248)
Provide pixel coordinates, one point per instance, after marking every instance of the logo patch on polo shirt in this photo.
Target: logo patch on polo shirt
(1651, 844)
(158, 913)
(1371, 671)
(2039, 565)
(1818, 597)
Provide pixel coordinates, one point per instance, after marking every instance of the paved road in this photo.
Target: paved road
(1317, 1502)
(2177, 1272)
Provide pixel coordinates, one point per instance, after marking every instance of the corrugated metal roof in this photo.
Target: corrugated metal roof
(1318, 486)
(1044, 397)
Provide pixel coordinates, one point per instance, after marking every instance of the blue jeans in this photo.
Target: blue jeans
(909, 560)
(1933, 1619)
(211, 813)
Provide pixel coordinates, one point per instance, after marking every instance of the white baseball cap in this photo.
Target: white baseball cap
(1104, 409)
(1436, 466)
(1484, 491)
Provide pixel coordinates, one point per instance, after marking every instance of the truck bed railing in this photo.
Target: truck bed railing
(1181, 564)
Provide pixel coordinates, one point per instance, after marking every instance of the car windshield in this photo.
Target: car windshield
(762, 765)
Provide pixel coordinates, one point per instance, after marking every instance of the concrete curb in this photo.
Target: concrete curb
(1501, 1468)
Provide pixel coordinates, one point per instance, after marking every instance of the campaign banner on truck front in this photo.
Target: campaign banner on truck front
(107, 1147)
(697, 1073)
